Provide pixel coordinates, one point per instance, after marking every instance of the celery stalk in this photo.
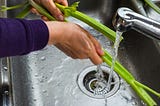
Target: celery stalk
(71, 11)
(88, 20)
(129, 79)
(41, 10)
(24, 12)
(148, 89)
(152, 5)
(5, 8)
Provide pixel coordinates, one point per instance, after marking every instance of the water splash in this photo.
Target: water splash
(114, 58)
(58, 68)
(43, 58)
(99, 74)
(101, 82)
(103, 86)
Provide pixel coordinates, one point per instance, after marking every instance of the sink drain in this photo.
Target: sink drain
(87, 82)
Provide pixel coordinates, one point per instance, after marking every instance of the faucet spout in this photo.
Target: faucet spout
(126, 19)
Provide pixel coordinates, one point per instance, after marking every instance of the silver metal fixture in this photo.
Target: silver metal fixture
(126, 19)
(87, 82)
(52, 81)
(5, 85)
(4, 81)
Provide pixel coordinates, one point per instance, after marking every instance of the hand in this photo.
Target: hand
(74, 41)
(51, 7)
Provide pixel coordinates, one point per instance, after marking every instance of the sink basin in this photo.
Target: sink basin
(50, 78)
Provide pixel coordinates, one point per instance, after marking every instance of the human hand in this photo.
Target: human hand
(51, 7)
(74, 41)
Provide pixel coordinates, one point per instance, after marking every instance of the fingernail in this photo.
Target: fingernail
(33, 11)
(101, 52)
(60, 17)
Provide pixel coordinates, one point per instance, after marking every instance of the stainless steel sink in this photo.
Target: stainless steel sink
(50, 78)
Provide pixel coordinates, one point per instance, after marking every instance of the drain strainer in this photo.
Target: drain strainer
(87, 82)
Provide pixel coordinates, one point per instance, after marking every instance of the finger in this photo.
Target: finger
(63, 2)
(51, 7)
(34, 11)
(91, 46)
(44, 18)
(95, 58)
(92, 53)
(96, 45)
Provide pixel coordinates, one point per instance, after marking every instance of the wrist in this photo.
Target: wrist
(54, 32)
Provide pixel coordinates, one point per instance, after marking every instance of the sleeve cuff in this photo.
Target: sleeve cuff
(20, 36)
(38, 34)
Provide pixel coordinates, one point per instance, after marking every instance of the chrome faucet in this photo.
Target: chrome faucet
(126, 19)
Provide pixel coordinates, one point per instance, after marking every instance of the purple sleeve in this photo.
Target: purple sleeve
(20, 36)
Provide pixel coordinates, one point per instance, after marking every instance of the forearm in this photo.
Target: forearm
(18, 37)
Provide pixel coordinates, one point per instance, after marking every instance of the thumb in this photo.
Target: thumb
(51, 7)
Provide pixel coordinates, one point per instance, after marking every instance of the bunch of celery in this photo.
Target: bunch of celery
(138, 87)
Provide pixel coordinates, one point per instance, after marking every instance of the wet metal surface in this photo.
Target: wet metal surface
(87, 81)
(49, 78)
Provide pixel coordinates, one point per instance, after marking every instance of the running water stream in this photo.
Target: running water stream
(114, 58)
(100, 75)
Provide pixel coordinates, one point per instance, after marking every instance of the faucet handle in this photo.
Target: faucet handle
(121, 21)
(126, 19)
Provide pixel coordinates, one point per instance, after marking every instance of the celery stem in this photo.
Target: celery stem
(147, 88)
(25, 11)
(4, 8)
(95, 24)
(129, 79)
(90, 21)
(41, 10)
(152, 5)
(124, 73)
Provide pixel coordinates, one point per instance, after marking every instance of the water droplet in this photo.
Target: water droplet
(143, 103)
(134, 103)
(51, 71)
(34, 99)
(44, 91)
(43, 58)
(5, 68)
(56, 103)
(6, 92)
(35, 53)
(41, 81)
(36, 75)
